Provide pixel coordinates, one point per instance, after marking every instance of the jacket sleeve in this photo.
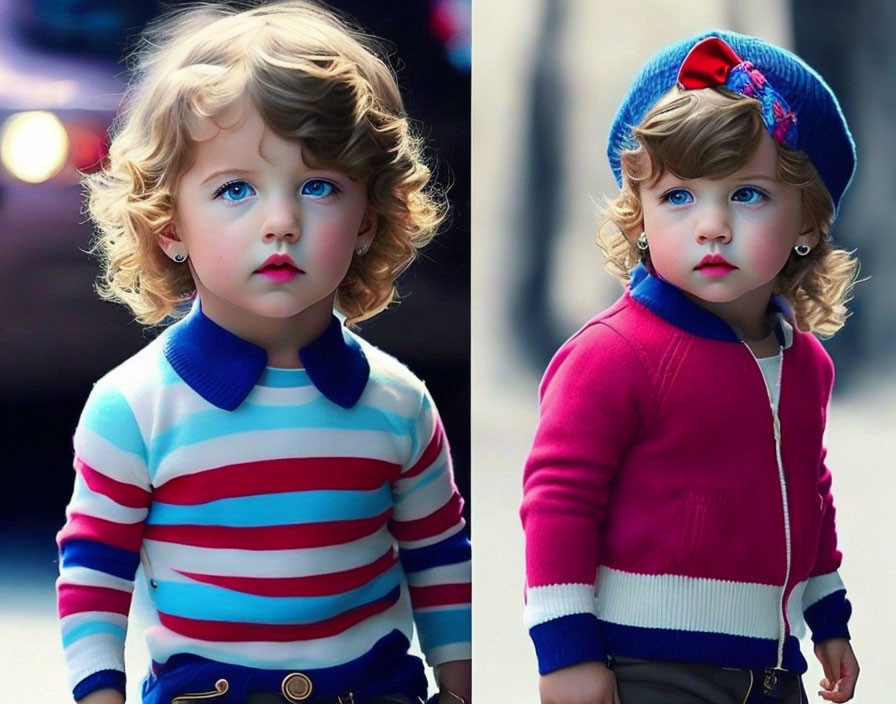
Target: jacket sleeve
(100, 543)
(428, 524)
(589, 416)
(825, 606)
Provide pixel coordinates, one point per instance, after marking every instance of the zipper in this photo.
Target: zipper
(782, 481)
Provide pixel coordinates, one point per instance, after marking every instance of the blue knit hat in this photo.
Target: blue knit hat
(820, 128)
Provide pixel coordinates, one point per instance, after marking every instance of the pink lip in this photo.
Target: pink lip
(715, 266)
(280, 268)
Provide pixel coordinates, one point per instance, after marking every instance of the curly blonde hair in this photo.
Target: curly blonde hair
(711, 133)
(314, 79)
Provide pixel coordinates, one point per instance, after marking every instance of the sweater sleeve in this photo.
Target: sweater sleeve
(100, 543)
(588, 418)
(825, 606)
(435, 552)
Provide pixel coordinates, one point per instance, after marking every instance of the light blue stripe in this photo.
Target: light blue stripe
(434, 472)
(285, 378)
(249, 417)
(92, 628)
(437, 628)
(208, 602)
(109, 415)
(276, 509)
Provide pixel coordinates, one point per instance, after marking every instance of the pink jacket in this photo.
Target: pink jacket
(668, 513)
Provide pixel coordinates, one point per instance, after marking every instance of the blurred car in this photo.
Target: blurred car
(60, 87)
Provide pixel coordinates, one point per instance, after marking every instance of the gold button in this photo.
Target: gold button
(296, 687)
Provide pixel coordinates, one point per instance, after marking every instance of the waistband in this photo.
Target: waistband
(387, 667)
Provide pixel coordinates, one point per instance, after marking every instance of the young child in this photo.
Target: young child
(677, 508)
(286, 486)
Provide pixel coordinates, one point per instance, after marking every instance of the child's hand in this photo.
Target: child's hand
(103, 696)
(585, 683)
(455, 676)
(841, 669)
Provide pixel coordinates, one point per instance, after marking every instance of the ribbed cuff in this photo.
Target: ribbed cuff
(566, 641)
(104, 679)
(827, 618)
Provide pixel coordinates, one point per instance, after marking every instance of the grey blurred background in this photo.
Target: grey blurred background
(64, 57)
(548, 77)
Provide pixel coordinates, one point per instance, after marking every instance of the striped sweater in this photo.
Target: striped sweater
(289, 532)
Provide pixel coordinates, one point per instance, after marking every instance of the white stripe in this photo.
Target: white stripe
(458, 573)
(795, 610)
(93, 654)
(86, 577)
(90, 503)
(275, 396)
(265, 563)
(817, 588)
(424, 542)
(426, 499)
(254, 446)
(323, 652)
(449, 652)
(97, 452)
(547, 603)
(688, 604)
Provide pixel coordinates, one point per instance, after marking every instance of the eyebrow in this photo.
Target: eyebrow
(222, 172)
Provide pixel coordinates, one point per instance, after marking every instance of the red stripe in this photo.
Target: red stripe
(305, 535)
(316, 585)
(120, 535)
(433, 524)
(76, 599)
(120, 492)
(224, 631)
(441, 595)
(277, 476)
(431, 453)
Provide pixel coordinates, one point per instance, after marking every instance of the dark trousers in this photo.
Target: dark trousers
(653, 682)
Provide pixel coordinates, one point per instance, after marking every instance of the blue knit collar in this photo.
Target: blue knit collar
(668, 302)
(223, 368)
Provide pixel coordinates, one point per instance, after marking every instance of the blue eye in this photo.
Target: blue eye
(749, 195)
(318, 188)
(677, 196)
(235, 191)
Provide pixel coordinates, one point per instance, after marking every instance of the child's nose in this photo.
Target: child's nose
(713, 226)
(282, 220)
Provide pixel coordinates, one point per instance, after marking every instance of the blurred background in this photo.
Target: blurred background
(548, 77)
(61, 78)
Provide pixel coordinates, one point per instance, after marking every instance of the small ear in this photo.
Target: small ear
(809, 235)
(170, 243)
(367, 230)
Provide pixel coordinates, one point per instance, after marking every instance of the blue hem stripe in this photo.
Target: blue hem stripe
(104, 679)
(827, 618)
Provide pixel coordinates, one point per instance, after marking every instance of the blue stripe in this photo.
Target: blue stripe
(720, 649)
(104, 679)
(208, 602)
(438, 470)
(91, 629)
(109, 415)
(443, 627)
(118, 562)
(292, 508)
(450, 551)
(249, 418)
(566, 641)
(828, 617)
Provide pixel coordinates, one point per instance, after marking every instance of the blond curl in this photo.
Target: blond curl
(314, 79)
(711, 133)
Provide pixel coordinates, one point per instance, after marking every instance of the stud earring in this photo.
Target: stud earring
(642, 242)
(180, 258)
(362, 250)
(802, 249)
